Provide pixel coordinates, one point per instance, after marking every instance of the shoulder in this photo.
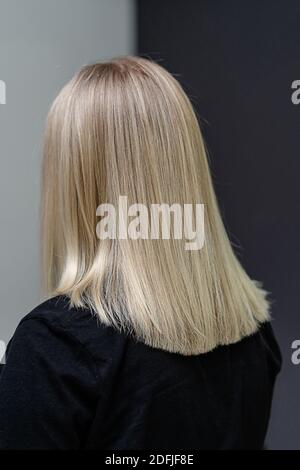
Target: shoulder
(56, 322)
(271, 346)
(56, 311)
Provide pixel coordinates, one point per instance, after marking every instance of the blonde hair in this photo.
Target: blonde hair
(126, 127)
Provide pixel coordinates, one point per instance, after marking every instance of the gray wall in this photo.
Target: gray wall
(42, 43)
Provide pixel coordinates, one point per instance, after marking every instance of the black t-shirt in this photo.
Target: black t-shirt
(72, 383)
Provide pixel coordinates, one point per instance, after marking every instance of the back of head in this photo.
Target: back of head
(126, 128)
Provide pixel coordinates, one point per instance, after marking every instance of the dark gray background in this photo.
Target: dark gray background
(237, 61)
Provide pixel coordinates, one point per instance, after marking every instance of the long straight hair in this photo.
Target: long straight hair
(126, 127)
